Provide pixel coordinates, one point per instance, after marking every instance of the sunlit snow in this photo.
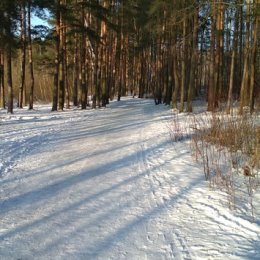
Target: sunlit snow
(111, 185)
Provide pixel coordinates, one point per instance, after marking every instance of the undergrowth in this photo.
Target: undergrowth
(229, 148)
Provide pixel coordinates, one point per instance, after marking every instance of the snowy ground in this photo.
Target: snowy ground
(109, 185)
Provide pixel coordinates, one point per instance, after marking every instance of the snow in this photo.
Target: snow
(110, 184)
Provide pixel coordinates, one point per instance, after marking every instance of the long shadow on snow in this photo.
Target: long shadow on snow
(107, 128)
(111, 215)
(55, 188)
(59, 137)
(119, 234)
(111, 240)
(88, 154)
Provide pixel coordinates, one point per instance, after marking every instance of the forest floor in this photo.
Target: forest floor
(109, 184)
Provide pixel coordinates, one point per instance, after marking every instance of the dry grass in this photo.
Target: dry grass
(236, 134)
(229, 148)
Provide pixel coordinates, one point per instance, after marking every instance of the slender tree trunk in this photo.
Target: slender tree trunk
(245, 85)
(23, 53)
(211, 88)
(31, 96)
(193, 63)
(66, 61)
(75, 71)
(124, 63)
(57, 60)
(118, 64)
(103, 58)
(142, 75)
(232, 69)
(119, 68)
(183, 62)
(176, 79)
(9, 79)
(9, 65)
(241, 45)
(62, 60)
(83, 66)
(253, 59)
(219, 52)
(175, 68)
(109, 59)
(95, 75)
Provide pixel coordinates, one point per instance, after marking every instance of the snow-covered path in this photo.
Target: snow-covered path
(109, 185)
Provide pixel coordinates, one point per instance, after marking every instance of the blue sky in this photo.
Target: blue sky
(37, 21)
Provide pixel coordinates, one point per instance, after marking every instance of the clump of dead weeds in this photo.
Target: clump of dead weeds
(229, 148)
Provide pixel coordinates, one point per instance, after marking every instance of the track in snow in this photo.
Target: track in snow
(109, 185)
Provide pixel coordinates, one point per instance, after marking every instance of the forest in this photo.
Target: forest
(96, 50)
(129, 129)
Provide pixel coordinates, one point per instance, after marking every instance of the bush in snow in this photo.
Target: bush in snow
(229, 148)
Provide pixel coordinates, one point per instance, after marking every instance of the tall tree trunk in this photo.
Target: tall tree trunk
(57, 60)
(9, 64)
(219, 52)
(75, 70)
(23, 53)
(83, 64)
(95, 75)
(245, 85)
(124, 63)
(211, 87)
(119, 54)
(193, 63)
(176, 79)
(62, 60)
(253, 58)
(31, 96)
(175, 68)
(183, 62)
(241, 45)
(142, 74)
(103, 58)
(109, 72)
(233, 61)
(9, 79)
(66, 61)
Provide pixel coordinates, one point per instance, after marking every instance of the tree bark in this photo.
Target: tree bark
(253, 60)
(75, 70)
(21, 97)
(193, 63)
(62, 59)
(245, 85)
(211, 87)
(31, 96)
(57, 60)
(83, 63)
(183, 62)
(9, 79)
(233, 61)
